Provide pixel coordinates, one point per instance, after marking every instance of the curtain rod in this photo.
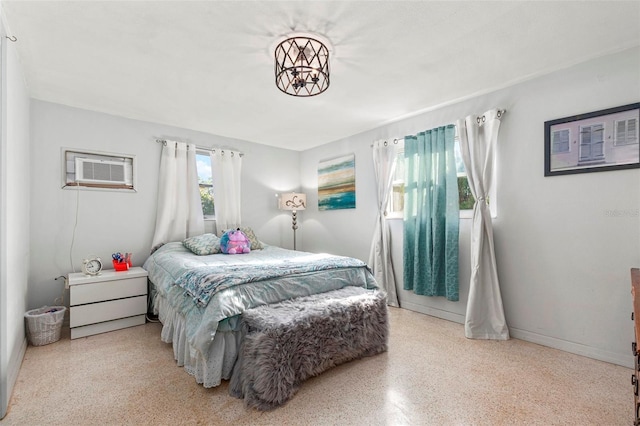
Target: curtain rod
(201, 148)
(396, 140)
(499, 114)
(479, 119)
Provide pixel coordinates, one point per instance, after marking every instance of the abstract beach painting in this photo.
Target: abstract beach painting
(337, 183)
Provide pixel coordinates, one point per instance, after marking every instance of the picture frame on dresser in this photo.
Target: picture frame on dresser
(597, 141)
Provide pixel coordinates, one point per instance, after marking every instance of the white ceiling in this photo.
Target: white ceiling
(208, 65)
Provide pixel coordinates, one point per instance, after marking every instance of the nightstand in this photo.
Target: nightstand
(106, 302)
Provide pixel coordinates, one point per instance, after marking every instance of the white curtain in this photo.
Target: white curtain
(485, 314)
(179, 213)
(226, 170)
(384, 164)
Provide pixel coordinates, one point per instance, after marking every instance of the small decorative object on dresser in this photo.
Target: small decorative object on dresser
(92, 266)
(107, 302)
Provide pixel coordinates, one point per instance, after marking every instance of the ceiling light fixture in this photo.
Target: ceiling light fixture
(302, 66)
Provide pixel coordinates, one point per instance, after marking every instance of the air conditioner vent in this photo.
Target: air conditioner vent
(89, 170)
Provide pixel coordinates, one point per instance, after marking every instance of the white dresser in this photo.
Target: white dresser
(107, 302)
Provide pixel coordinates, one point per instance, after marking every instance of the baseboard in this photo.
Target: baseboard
(575, 348)
(16, 363)
(434, 312)
(552, 342)
(12, 374)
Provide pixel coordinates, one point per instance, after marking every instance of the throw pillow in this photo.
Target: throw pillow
(204, 244)
(255, 242)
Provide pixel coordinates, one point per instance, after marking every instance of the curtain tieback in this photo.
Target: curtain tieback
(483, 200)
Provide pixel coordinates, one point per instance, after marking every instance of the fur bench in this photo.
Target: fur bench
(288, 342)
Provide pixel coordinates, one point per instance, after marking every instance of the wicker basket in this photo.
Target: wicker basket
(44, 324)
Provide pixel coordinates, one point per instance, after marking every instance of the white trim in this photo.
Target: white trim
(14, 365)
(574, 348)
(527, 336)
(6, 385)
(467, 214)
(434, 312)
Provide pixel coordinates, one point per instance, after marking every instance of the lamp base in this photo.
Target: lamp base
(294, 226)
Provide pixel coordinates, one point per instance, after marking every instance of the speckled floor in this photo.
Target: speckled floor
(431, 375)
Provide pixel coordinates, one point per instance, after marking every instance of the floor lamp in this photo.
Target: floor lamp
(293, 201)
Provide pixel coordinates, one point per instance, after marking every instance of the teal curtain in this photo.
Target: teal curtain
(431, 214)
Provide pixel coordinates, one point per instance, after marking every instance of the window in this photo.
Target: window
(97, 170)
(205, 181)
(395, 208)
(560, 141)
(626, 131)
(465, 197)
(396, 198)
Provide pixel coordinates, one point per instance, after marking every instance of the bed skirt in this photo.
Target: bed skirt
(223, 352)
(218, 364)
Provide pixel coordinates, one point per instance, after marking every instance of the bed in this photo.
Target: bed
(199, 299)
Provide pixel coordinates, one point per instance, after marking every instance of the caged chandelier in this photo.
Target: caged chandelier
(302, 66)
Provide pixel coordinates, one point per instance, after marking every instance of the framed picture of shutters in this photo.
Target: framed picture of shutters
(597, 141)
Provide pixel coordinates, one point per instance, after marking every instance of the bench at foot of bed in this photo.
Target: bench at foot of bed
(289, 342)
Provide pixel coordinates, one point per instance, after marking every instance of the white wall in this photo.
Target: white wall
(111, 221)
(14, 218)
(563, 256)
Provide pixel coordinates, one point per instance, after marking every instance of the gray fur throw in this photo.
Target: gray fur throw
(291, 341)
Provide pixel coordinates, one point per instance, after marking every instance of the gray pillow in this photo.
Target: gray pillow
(203, 244)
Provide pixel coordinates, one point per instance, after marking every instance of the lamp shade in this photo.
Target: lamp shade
(293, 201)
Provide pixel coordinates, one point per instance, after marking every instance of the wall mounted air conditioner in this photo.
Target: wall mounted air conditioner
(91, 170)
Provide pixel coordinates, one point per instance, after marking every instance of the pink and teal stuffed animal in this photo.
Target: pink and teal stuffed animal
(235, 242)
